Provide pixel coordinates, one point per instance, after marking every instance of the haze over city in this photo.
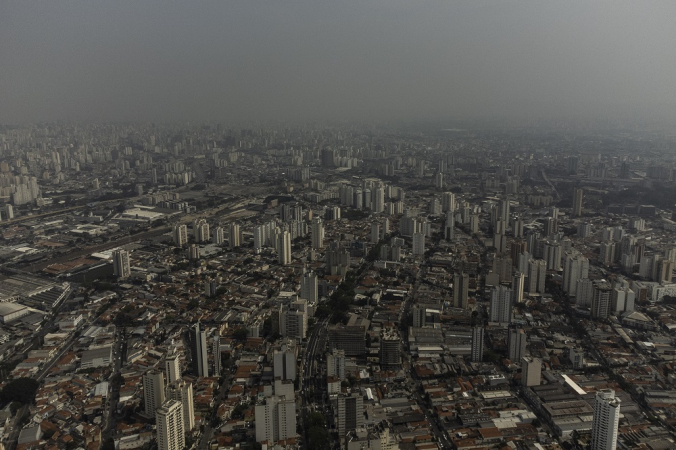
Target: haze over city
(338, 61)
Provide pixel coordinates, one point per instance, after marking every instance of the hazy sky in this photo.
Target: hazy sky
(221, 60)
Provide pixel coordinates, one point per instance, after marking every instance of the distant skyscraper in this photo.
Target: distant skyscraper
(182, 391)
(153, 391)
(575, 267)
(284, 248)
(218, 236)
(375, 232)
(172, 367)
(317, 233)
(121, 267)
(198, 348)
(577, 202)
(448, 202)
(180, 235)
(308, 287)
(170, 430)
(601, 300)
(460, 290)
(537, 272)
(606, 420)
(518, 281)
(477, 344)
(516, 344)
(201, 230)
(234, 236)
(501, 305)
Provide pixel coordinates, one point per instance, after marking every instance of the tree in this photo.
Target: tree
(20, 390)
(240, 334)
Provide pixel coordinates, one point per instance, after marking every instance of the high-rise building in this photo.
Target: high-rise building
(501, 305)
(170, 430)
(531, 370)
(375, 233)
(601, 300)
(516, 344)
(172, 367)
(182, 391)
(577, 202)
(275, 419)
(121, 267)
(575, 267)
(537, 272)
(193, 252)
(234, 236)
(180, 235)
(308, 287)
(518, 281)
(390, 351)
(350, 413)
(477, 344)
(284, 361)
(419, 313)
(460, 290)
(335, 364)
(294, 324)
(284, 248)
(201, 230)
(218, 237)
(584, 292)
(153, 391)
(606, 420)
(378, 201)
(198, 348)
(418, 244)
(448, 202)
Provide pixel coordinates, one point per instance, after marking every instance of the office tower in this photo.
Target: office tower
(577, 202)
(121, 267)
(537, 272)
(375, 232)
(201, 230)
(448, 202)
(516, 344)
(335, 364)
(294, 324)
(317, 234)
(518, 281)
(501, 305)
(350, 413)
(284, 248)
(198, 348)
(275, 419)
(418, 244)
(218, 237)
(606, 420)
(180, 235)
(601, 300)
(308, 287)
(182, 392)
(153, 391)
(575, 267)
(460, 290)
(284, 361)
(531, 370)
(419, 313)
(172, 367)
(390, 353)
(234, 236)
(477, 344)
(170, 430)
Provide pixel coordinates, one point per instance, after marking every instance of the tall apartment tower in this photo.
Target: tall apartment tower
(606, 420)
(448, 202)
(335, 364)
(275, 419)
(418, 244)
(375, 232)
(477, 344)
(172, 368)
(234, 236)
(198, 348)
(537, 272)
(460, 290)
(501, 305)
(170, 431)
(601, 300)
(284, 248)
(180, 235)
(577, 202)
(182, 392)
(284, 362)
(350, 413)
(317, 233)
(516, 344)
(575, 267)
(217, 237)
(390, 351)
(518, 282)
(201, 230)
(121, 267)
(308, 287)
(153, 391)
(531, 370)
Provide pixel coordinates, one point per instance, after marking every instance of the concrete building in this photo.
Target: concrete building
(198, 348)
(516, 344)
(308, 287)
(182, 392)
(317, 233)
(460, 290)
(153, 391)
(390, 349)
(335, 364)
(121, 267)
(477, 344)
(575, 267)
(170, 431)
(601, 300)
(501, 305)
(577, 202)
(275, 419)
(606, 420)
(172, 368)
(350, 413)
(531, 371)
(284, 248)
(234, 236)
(284, 361)
(418, 244)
